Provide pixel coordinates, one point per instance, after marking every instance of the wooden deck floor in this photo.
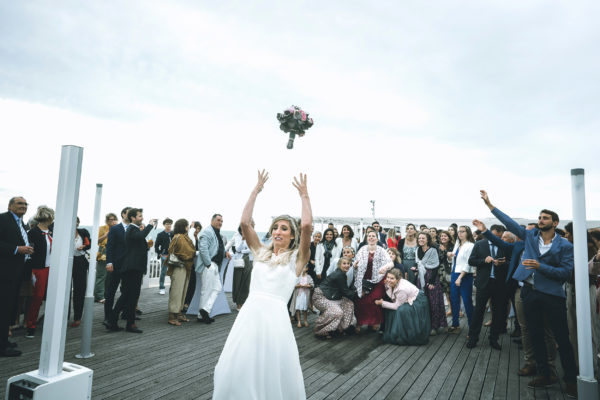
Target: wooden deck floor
(177, 363)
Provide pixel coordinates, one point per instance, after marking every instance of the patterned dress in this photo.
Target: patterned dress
(409, 262)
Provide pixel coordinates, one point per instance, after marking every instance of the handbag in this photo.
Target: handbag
(173, 260)
(367, 286)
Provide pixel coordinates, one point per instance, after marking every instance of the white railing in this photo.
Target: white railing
(152, 277)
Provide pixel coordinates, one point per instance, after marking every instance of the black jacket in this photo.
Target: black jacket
(163, 239)
(11, 264)
(84, 234)
(38, 258)
(115, 246)
(480, 251)
(335, 286)
(136, 258)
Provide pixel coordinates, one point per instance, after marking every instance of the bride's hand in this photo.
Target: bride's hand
(300, 184)
(263, 176)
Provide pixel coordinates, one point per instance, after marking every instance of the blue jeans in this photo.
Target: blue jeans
(465, 290)
(163, 272)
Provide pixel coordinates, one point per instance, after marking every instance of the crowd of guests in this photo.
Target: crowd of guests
(400, 291)
(404, 287)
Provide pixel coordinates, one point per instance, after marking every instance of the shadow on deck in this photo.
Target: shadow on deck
(177, 362)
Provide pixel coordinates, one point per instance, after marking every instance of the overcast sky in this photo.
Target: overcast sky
(417, 105)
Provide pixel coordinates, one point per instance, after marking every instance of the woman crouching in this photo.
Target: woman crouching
(407, 320)
(334, 299)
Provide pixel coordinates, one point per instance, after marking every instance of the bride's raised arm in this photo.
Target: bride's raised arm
(305, 224)
(246, 223)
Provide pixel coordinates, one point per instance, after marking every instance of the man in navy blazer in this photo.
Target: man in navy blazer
(132, 269)
(546, 264)
(490, 261)
(115, 254)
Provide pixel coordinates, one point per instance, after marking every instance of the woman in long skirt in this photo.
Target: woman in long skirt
(428, 263)
(407, 314)
(372, 262)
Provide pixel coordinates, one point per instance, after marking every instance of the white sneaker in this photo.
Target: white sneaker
(161, 291)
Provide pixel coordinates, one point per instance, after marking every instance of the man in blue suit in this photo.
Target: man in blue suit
(515, 249)
(115, 255)
(546, 264)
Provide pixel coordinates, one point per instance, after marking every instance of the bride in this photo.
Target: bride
(260, 358)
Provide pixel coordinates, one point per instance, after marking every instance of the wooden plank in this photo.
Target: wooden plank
(514, 364)
(438, 381)
(347, 389)
(464, 374)
(503, 371)
(419, 370)
(344, 381)
(477, 375)
(444, 343)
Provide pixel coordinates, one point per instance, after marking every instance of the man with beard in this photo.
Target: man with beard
(545, 266)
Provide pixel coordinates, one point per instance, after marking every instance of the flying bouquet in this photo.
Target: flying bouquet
(294, 121)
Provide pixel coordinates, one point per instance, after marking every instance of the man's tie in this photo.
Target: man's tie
(24, 235)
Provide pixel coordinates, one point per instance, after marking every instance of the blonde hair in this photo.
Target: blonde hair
(44, 214)
(265, 253)
(349, 248)
(342, 259)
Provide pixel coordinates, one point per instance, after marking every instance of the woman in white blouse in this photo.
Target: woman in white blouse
(325, 253)
(461, 282)
(346, 239)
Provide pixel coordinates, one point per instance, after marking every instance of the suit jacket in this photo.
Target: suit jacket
(556, 265)
(481, 250)
(515, 250)
(136, 258)
(11, 264)
(208, 246)
(163, 239)
(115, 246)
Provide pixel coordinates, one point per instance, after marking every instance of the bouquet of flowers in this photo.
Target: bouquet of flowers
(294, 121)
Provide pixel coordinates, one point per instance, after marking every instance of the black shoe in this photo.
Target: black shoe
(471, 344)
(516, 333)
(495, 345)
(518, 341)
(9, 352)
(205, 317)
(138, 312)
(11, 345)
(133, 329)
(124, 318)
(114, 328)
(106, 324)
(30, 334)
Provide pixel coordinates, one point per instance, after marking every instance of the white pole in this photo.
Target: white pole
(61, 260)
(586, 384)
(88, 308)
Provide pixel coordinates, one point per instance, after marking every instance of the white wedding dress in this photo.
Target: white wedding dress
(260, 358)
